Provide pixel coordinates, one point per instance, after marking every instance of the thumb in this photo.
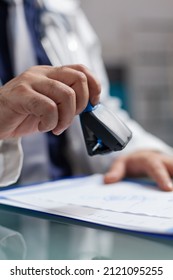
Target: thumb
(116, 172)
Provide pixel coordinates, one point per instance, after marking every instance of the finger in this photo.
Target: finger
(63, 96)
(66, 112)
(42, 107)
(117, 171)
(93, 83)
(78, 82)
(78, 77)
(168, 161)
(73, 80)
(158, 171)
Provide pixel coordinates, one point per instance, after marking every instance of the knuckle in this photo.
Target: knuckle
(81, 78)
(82, 67)
(146, 160)
(41, 107)
(21, 88)
(50, 107)
(70, 93)
(152, 164)
(61, 68)
(27, 75)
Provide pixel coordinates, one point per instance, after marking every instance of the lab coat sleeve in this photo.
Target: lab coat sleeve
(11, 158)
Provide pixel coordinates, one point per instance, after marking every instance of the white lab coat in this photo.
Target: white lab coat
(68, 39)
(82, 45)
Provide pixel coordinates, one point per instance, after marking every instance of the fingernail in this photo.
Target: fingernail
(110, 178)
(58, 132)
(169, 185)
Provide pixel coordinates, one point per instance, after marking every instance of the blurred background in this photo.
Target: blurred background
(137, 47)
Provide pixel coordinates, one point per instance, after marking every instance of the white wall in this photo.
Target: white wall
(114, 19)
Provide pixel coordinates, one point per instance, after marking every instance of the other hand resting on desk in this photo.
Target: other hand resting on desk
(145, 162)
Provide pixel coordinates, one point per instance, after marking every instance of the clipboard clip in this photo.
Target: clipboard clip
(103, 131)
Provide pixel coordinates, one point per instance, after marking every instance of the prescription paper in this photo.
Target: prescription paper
(127, 205)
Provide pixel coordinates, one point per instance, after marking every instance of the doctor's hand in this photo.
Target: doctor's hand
(154, 164)
(45, 98)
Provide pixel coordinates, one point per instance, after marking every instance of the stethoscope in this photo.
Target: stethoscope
(58, 38)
